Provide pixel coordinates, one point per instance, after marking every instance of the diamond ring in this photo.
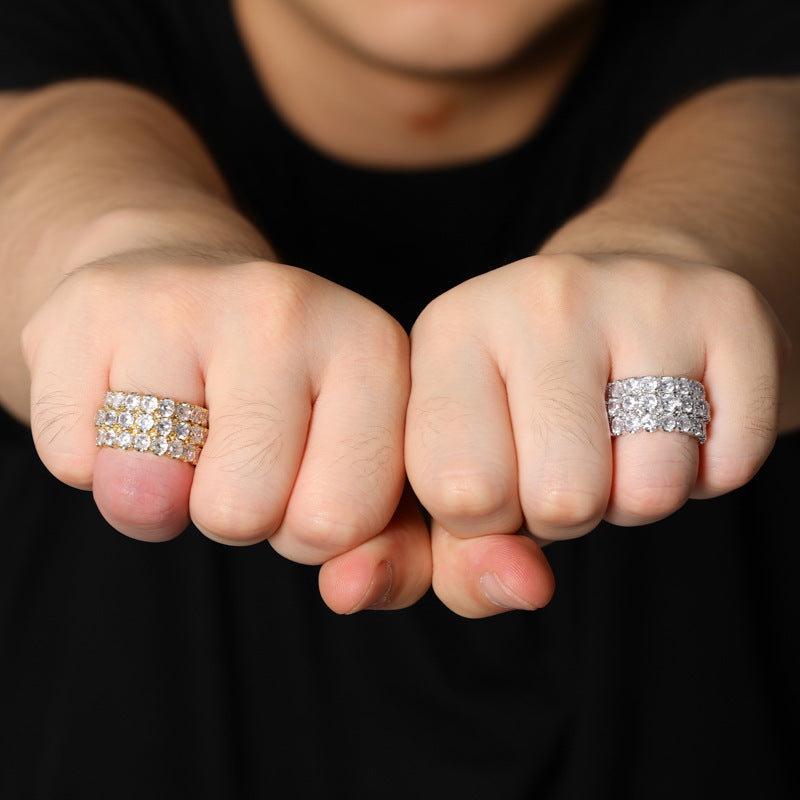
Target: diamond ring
(150, 424)
(657, 404)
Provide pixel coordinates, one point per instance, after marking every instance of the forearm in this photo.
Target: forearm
(716, 181)
(87, 169)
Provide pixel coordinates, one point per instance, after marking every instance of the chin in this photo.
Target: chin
(438, 36)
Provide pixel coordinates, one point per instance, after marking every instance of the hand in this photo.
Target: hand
(306, 383)
(507, 429)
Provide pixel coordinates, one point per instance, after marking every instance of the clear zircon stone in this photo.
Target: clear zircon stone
(199, 435)
(631, 385)
(630, 403)
(149, 404)
(649, 423)
(167, 407)
(132, 401)
(160, 445)
(650, 403)
(145, 422)
(163, 426)
(126, 419)
(632, 423)
(649, 384)
(141, 442)
(124, 440)
(176, 449)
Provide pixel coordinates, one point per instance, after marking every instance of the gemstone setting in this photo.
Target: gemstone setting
(658, 403)
(150, 424)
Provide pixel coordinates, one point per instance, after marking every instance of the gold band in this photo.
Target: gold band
(150, 424)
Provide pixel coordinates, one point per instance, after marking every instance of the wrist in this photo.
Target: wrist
(198, 229)
(614, 226)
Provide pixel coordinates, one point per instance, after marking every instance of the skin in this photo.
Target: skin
(500, 429)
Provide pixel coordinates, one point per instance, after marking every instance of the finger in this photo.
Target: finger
(556, 397)
(460, 454)
(259, 400)
(489, 575)
(655, 472)
(352, 473)
(390, 571)
(142, 495)
(742, 384)
(69, 378)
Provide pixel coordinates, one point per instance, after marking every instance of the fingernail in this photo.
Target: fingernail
(498, 593)
(378, 591)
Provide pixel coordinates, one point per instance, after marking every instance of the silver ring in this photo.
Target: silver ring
(660, 403)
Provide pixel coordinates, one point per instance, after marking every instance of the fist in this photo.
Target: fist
(306, 384)
(508, 443)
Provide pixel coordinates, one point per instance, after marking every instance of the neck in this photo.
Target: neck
(367, 113)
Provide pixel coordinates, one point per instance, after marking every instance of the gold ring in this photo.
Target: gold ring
(150, 424)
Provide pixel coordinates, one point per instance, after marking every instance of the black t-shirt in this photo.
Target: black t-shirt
(662, 668)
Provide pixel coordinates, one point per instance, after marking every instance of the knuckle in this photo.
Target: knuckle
(230, 521)
(655, 492)
(448, 317)
(760, 414)
(388, 338)
(275, 300)
(74, 469)
(558, 506)
(470, 495)
(331, 527)
(553, 293)
(735, 291)
(726, 473)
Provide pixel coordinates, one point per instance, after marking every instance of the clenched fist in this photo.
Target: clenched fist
(306, 384)
(507, 431)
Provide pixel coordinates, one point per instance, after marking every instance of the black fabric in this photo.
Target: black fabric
(663, 667)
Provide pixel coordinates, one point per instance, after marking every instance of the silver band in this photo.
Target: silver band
(150, 424)
(657, 404)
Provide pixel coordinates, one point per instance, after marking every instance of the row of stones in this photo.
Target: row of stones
(630, 423)
(145, 423)
(161, 407)
(651, 384)
(143, 442)
(658, 406)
